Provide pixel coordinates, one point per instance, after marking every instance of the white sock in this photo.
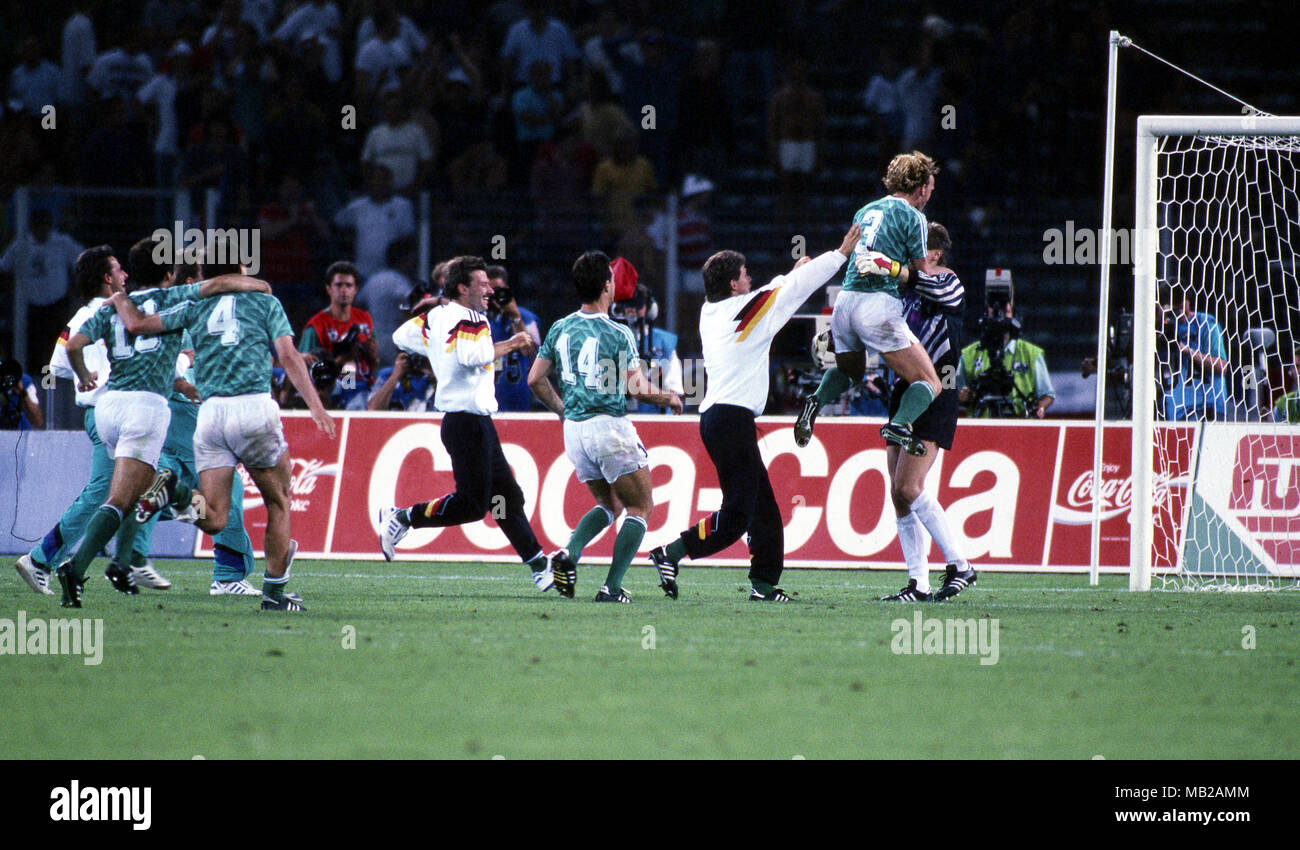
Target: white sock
(932, 516)
(912, 537)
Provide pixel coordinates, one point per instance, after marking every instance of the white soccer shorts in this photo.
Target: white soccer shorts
(240, 428)
(603, 447)
(869, 320)
(133, 423)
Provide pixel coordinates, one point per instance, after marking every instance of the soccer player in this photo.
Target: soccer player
(232, 549)
(97, 277)
(132, 415)
(868, 311)
(737, 326)
(456, 340)
(239, 421)
(933, 309)
(599, 369)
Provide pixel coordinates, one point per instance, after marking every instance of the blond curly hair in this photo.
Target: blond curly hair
(908, 172)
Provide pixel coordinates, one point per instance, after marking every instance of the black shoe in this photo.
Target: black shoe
(803, 426)
(901, 435)
(954, 582)
(122, 578)
(604, 595)
(72, 586)
(158, 496)
(565, 573)
(908, 594)
(777, 595)
(667, 571)
(288, 602)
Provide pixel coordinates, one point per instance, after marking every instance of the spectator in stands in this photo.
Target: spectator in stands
(881, 98)
(160, 92)
(344, 337)
(383, 295)
(796, 123)
(20, 407)
(558, 186)
(537, 109)
(707, 131)
(655, 81)
(78, 51)
(309, 20)
(1021, 377)
(221, 36)
(407, 32)
(538, 37)
(602, 116)
(507, 318)
(216, 162)
(120, 71)
(41, 262)
(620, 179)
(401, 145)
(1196, 359)
(1287, 406)
(694, 232)
(637, 246)
(163, 20)
(290, 226)
(918, 89)
(35, 82)
(479, 172)
(457, 111)
(376, 220)
(384, 59)
(607, 27)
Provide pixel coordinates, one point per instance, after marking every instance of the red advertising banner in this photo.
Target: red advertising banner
(1017, 495)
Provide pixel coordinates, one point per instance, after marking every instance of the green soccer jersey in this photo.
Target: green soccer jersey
(145, 363)
(592, 354)
(896, 229)
(234, 336)
(187, 344)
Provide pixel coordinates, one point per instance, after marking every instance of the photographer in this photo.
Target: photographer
(406, 385)
(1015, 384)
(656, 346)
(1193, 360)
(342, 336)
(506, 318)
(20, 409)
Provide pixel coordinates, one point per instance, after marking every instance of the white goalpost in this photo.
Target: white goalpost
(1216, 326)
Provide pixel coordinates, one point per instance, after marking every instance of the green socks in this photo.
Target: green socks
(625, 546)
(675, 550)
(834, 384)
(101, 528)
(763, 587)
(591, 524)
(916, 398)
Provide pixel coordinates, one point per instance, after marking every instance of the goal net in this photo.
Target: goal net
(1216, 344)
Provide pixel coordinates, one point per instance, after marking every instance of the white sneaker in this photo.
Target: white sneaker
(233, 588)
(36, 576)
(391, 531)
(147, 576)
(545, 579)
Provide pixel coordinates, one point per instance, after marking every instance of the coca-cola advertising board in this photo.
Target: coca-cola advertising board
(1017, 495)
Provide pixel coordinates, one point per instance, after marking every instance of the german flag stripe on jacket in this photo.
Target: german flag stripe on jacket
(467, 331)
(754, 310)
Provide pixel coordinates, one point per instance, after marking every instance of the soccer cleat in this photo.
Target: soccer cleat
(777, 595)
(36, 575)
(544, 579)
(147, 576)
(157, 497)
(285, 603)
(908, 594)
(70, 584)
(667, 571)
(803, 426)
(233, 588)
(901, 435)
(604, 595)
(391, 531)
(565, 573)
(121, 578)
(189, 514)
(954, 582)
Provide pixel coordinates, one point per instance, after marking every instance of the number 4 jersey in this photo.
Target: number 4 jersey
(896, 229)
(234, 337)
(592, 354)
(142, 363)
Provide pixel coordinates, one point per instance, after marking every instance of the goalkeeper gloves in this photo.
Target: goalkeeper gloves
(874, 262)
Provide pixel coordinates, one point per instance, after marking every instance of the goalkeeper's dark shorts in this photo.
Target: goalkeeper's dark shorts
(939, 421)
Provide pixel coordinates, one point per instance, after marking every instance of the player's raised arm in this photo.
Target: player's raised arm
(135, 322)
(793, 288)
(296, 369)
(639, 387)
(227, 283)
(539, 381)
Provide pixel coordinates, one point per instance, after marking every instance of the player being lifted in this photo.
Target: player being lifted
(599, 369)
(132, 416)
(933, 308)
(868, 312)
(239, 421)
(456, 339)
(737, 326)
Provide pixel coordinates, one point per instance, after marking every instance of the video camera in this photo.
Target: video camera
(994, 391)
(501, 297)
(11, 376)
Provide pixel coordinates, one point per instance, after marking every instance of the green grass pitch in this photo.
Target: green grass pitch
(468, 661)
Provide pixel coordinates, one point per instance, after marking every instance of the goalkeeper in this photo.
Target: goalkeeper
(869, 312)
